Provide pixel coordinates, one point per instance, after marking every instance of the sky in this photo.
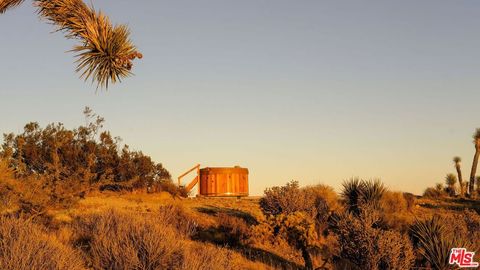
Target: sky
(313, 91)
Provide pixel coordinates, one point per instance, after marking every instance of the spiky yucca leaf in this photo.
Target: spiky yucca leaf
(358, 193)
(433, 243)
(106, 52)
(372, 192)
(351, 193)
(6, 4)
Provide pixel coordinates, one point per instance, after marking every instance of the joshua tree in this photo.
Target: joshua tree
(457, 161)
(477, 179)
(476, 143)
(451, 180)
(104, 53)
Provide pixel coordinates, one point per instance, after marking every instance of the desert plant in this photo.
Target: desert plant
(24, 246)
(116, 240)
(119, 241)
(457, 161)
(367, 247)
(434, 244)
(299, 230)
(105, 52)
(357, 193)
(450, 181)
(432, 193)
(476, 143)
(283, 199)
(175, 215)
(300, 216)
(395, 211)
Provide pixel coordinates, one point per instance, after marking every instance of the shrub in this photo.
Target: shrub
(367, 247)
(300, 217)
(394, 209)
(24, 246)
(450, 181)
(433, 193)
(170, 187)
(325, 193)
(285, 199)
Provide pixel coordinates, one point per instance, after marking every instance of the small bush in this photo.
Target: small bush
(433, 193)
(285, 200)
(394, 209)
(170, 187)
(367, 247)
(24, 246)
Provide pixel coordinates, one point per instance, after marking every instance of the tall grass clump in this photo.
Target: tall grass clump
(25, 246)
(116, 240)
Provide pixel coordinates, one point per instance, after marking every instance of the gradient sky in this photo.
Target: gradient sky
(316, 91)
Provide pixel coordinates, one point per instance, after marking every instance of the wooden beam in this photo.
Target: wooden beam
(189, 171)
(192, 184)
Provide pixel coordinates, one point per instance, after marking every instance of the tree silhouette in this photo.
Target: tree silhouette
(105, 52)
(476, 143)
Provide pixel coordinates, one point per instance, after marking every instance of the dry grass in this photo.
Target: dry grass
(24, 245)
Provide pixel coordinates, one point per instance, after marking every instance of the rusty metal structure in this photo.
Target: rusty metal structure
(218, 182)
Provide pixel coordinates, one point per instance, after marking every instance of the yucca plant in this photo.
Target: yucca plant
(351, 193)
(357, 193)
(105, 52)
(457, 161)
(432, 242)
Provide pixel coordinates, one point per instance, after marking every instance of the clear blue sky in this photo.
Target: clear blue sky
(317, 91)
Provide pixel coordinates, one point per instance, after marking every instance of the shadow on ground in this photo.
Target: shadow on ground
(214, 211)
(222, 238)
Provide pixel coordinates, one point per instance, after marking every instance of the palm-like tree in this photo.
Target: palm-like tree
(476, 143)
(457, 161)
(105, 52)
